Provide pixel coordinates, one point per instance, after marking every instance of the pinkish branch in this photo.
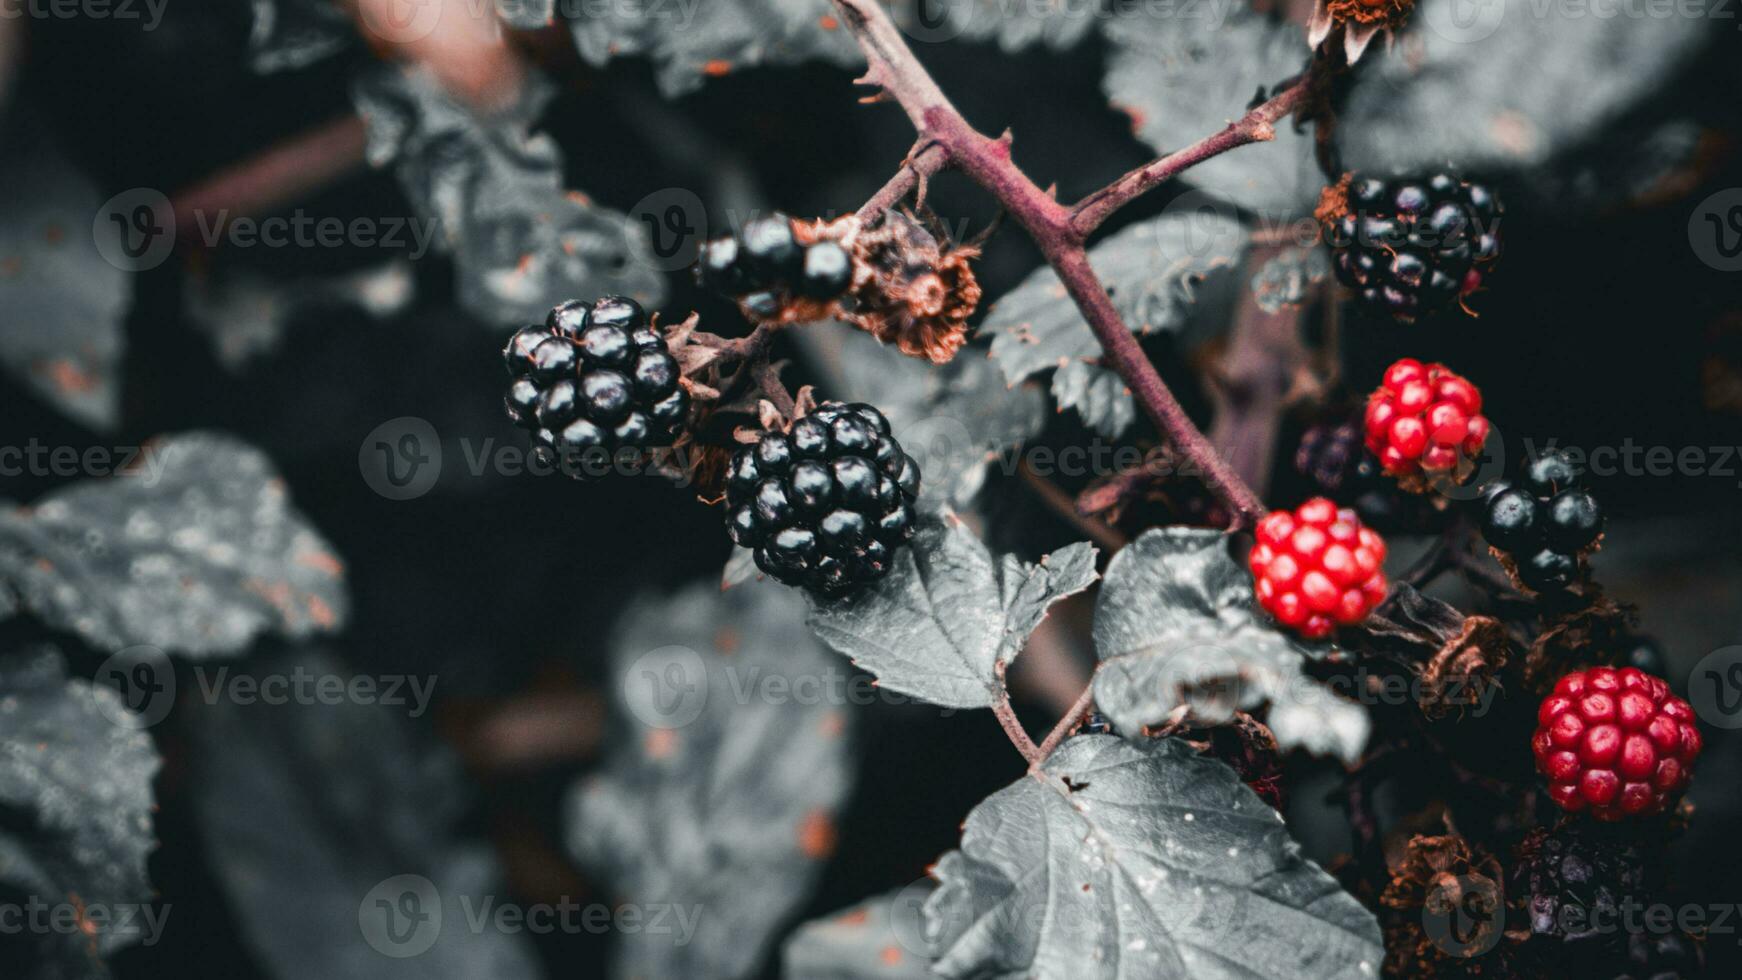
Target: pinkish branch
(1257, 126)
(894, 68)
(918, 168)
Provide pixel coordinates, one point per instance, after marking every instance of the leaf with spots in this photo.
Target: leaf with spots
(316, 813)
(881, 938)
(1176, 628)
(948, 615)
(75, 812)
(726, 774)
(1121, 859)
(1459, 65)
(61, 302)
(689, 43)
(195, 549)
(1182, 78)
(1154, 271)
(493, 191)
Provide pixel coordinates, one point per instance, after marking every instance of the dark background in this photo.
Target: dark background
(1601, 325)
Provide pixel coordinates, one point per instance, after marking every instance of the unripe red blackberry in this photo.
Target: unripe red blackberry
(1425, 420)
(826, 503)
(1317, 568)
(1615, 742)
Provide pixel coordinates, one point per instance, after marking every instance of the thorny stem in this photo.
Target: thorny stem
(1012, 726)
(1074, 717)
(1257, 126)
(893, 67)
(918, 168)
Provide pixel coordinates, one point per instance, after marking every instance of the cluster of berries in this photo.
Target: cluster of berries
(765, 266)
(1615, 742)
(1410, 247)
(1544, 524)
(1424, 420)
(826, 503)
(594, 379)
(1317, 568)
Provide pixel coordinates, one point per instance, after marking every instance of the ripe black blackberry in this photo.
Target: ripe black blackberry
(1545, 522)
(1410, 247)
(1573, 882)
(1330, 454)
(824, 504)
(594, 379)
(765, 266)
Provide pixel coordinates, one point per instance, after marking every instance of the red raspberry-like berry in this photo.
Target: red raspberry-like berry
(1425, 419)
(1614, 742)
(1317, 568)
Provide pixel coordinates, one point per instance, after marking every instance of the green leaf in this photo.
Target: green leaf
(881, 938)
(724, 779)
(1459, 64)
(1153, 271)
(938, 626)
(520, 240)
(688, 43)
(1140, 860)
(194, 550)
(1176, 625)
(76, 808)
(1184, 77)
(61, 302)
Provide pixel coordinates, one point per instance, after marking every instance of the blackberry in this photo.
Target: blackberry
(1646, 656)
(595, 378)
(1410, 247)
(1573, 883)
(1331, 455)
(765, 266)
(826, 503)
(1545, 522)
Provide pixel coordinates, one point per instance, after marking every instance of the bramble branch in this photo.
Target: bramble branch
(893, 67)
(1257, 126)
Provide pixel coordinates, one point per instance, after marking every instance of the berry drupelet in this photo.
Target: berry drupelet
(595, 378)
(1425, 420)
(1545, 523)
(1614, 742)
(1317, 568)
(765, 266)
(1410, 247)
(826, 503)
